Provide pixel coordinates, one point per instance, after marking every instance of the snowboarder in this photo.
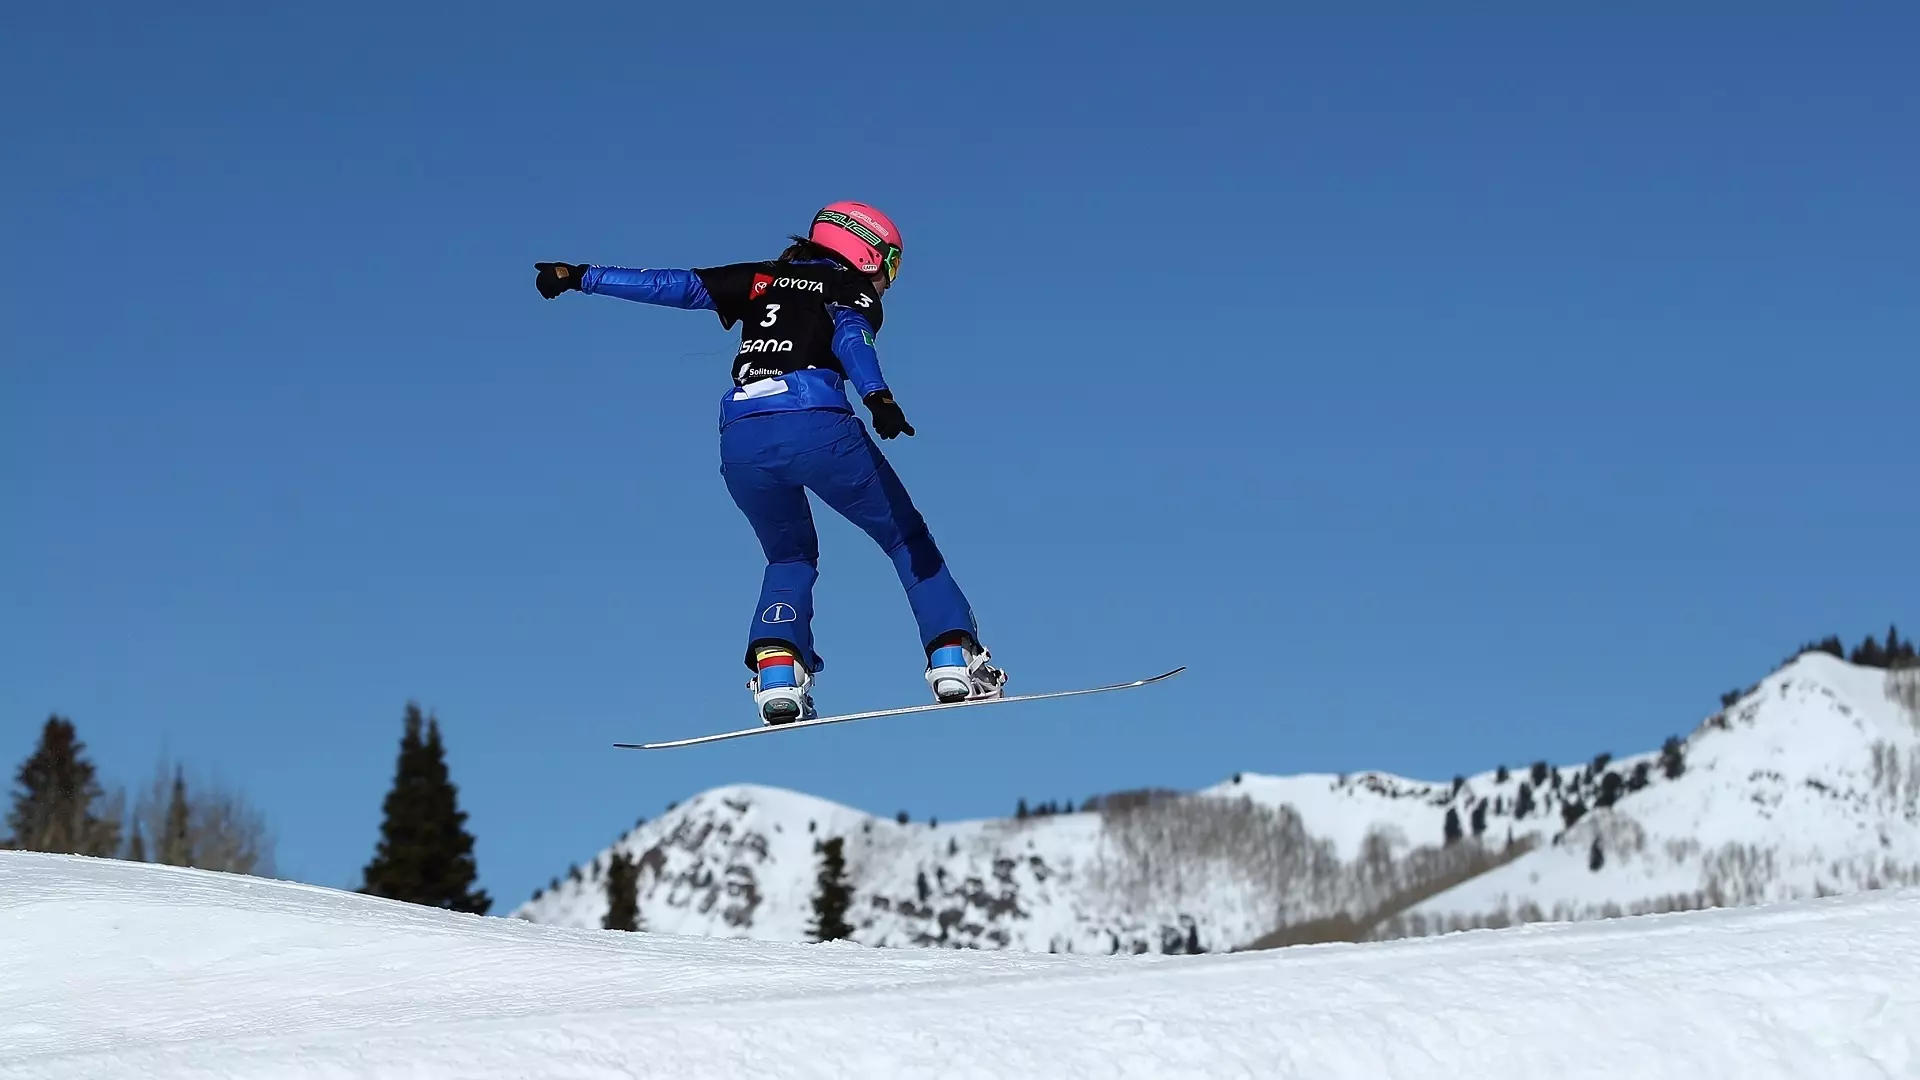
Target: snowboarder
(808, 319)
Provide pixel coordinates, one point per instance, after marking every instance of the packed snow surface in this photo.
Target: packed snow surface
(111, 969)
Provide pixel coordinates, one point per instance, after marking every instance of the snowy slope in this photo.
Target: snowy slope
(1809, 785)
(739, 861)
(1780, 798)
(1195, 874)
(114, 969)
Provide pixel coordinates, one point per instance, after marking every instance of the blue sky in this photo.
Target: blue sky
(1444, 392)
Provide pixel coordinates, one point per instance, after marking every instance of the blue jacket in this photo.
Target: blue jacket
(813, 388)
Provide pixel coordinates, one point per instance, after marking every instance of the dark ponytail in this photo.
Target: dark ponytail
(803, 249)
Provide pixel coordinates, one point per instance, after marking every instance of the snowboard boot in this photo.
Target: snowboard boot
(958, 669)
(782, 686)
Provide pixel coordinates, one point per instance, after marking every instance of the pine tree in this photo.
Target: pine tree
(1500, 775)
(1020, 810)
(1595, 859)
(902, 817)
(1523, 800)
(1452, 825)
(921, 887)
(1639, 778)
(1672, 758)
(176, 838)
(623, 893)
(1899, 653)
(425, 854)
(1830, 645)
(1610, 786)
(1869, 654)
(834, 895)
(1539, 773)
(58, 804)
(203, 824)
(1480, 817)
(136, 845)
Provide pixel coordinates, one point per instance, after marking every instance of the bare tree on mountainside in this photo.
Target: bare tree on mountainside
(203, 823)
(1896, 778)
(1380, 889)
(1178, 851)
(1903, 689)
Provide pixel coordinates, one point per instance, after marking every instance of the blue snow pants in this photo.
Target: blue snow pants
(770, 461)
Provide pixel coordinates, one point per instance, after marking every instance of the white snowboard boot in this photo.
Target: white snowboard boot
(963, 672)
(782, 688)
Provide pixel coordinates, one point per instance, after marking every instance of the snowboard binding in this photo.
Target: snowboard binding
(960, 669)
(782, 686)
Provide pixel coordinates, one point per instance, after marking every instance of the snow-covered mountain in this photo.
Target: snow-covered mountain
(1809, 785)
(115, 969)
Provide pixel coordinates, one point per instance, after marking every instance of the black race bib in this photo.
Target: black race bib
(783, 312)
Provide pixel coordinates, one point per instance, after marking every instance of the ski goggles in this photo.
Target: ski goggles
(890, 262)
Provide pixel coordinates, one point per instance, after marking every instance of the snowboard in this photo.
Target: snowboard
(822, 721)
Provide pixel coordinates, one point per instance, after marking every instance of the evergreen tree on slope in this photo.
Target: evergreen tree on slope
(834, 896)
(425, 855)
(58, 804)
(623, 893)
(176, 837)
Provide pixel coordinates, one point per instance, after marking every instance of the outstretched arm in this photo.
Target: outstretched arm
(668, 288)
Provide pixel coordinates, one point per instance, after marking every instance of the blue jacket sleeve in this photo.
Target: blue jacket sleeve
(853, 344)
(668, 288)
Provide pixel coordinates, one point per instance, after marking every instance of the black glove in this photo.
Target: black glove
(888, 420)
(556, 278)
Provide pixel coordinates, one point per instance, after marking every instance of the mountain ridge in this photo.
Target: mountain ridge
(1715, 819)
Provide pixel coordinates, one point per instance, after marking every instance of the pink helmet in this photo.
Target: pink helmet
(862, 235)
